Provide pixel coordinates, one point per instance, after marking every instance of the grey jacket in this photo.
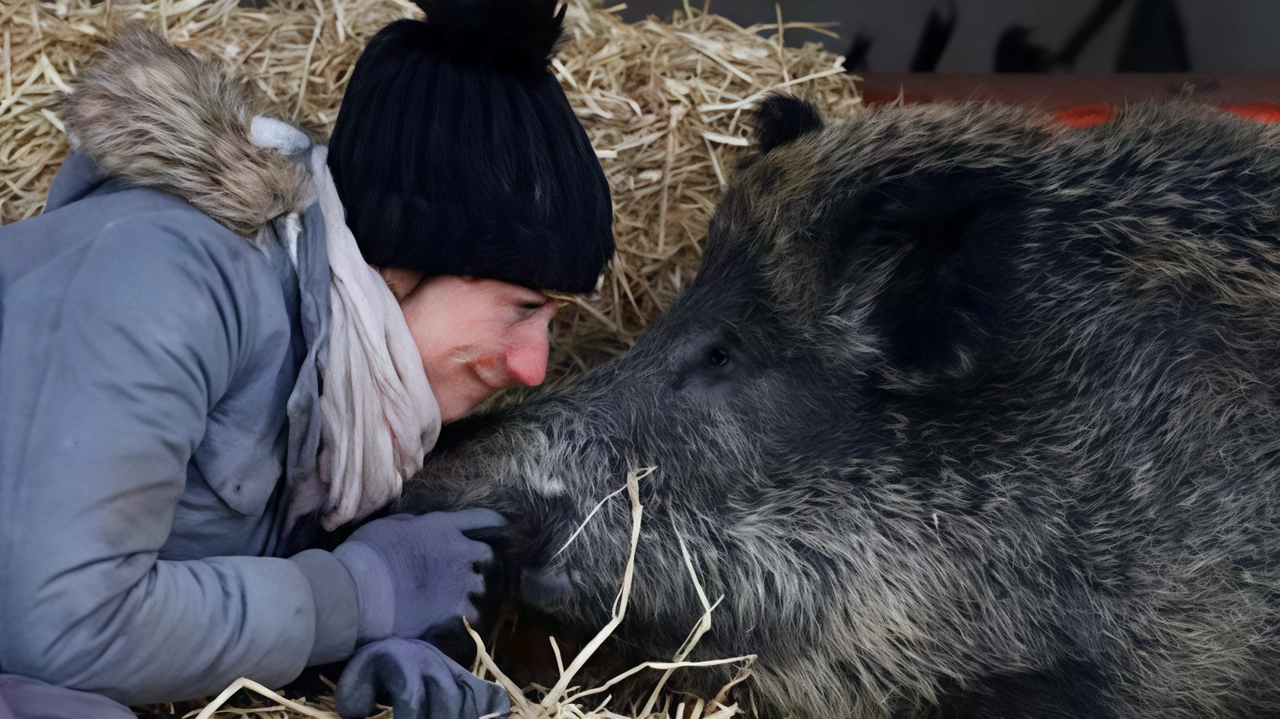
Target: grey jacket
(158, 399)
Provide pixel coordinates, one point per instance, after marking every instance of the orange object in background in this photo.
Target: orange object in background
(1253, 96)
(1262, 111)
(1082, 116)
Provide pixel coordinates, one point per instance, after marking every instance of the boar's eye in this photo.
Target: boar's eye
(708, 367)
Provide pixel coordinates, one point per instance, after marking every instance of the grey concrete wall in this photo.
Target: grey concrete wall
(1222, 35)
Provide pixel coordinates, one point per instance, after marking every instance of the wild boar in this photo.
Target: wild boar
(969, 412)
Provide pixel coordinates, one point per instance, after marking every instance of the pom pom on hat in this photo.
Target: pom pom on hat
(512, 35)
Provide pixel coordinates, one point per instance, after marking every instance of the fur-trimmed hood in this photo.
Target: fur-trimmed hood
(159, 117)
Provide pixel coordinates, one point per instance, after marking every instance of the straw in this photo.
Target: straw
(562, 702)
(663, 104)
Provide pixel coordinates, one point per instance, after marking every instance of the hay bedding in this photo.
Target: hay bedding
(564, 700)
(663, 104)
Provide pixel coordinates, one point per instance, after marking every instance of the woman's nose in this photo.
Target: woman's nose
(526, 354)
(527, 362)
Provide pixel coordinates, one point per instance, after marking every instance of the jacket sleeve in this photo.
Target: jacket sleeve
(120, 366)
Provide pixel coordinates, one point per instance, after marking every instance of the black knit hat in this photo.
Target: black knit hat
(456, 151)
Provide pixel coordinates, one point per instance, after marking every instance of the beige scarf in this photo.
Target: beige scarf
(380, 417)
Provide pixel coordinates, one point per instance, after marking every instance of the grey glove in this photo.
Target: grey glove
(416, 574)
(418, 681)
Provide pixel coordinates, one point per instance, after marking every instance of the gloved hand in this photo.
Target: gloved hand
(418, 681)
(414, 574)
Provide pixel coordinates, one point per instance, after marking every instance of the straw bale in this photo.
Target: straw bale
(45, 43)
(666, 105)
(663, 104)
(668, 100)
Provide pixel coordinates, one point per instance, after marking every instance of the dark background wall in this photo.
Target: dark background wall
(1217, 35)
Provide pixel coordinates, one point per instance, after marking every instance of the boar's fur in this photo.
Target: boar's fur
(968, 413)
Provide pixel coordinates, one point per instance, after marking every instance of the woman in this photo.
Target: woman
(217, 335)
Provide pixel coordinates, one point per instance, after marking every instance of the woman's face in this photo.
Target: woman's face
(476, 337)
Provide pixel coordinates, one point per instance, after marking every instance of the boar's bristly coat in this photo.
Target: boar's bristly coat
(969, 412)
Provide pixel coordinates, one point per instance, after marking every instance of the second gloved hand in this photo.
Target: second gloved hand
(418, 681)
(414, 574)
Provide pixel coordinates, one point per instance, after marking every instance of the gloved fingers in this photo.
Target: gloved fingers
(355, 696)
(455, 693)
(481, 698)
(475, 518)
(469, 611)
(389, 671)
(401, 517)
(473, 585)
(477, 554)
(445, 698)
(398, 680)
(420, 682)
(405, 706)
(502, 539)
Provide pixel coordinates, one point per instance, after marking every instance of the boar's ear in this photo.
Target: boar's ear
(941, 240)
(779, 119)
